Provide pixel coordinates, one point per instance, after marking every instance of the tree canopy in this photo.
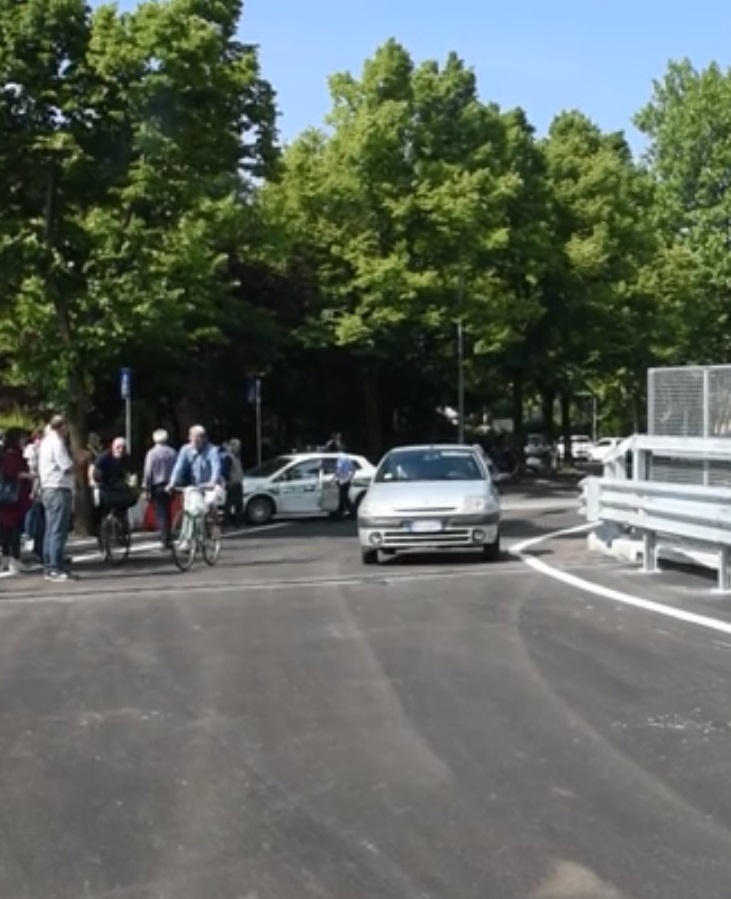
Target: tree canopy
(149, 217)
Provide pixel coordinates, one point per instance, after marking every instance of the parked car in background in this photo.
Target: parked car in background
(539, 456)
(580, 448)
(430, 497)
(300, 485)
(603, 447)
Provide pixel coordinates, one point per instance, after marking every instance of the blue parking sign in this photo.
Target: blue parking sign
(125, 383)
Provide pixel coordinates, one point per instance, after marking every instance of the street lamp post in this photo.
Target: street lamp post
(594, 415)
(254, 398)
(460, 360)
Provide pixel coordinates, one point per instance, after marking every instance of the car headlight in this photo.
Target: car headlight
(372, 510)
(475, 504)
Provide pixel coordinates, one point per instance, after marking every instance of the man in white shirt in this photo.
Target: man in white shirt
(56, 475)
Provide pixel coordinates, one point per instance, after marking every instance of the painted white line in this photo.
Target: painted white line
(92, 593)
(250, 532)
(152, 546)
(627, 599)
(540, 505)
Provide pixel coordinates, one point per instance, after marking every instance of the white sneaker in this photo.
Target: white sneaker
(183, 545)
(15, 566)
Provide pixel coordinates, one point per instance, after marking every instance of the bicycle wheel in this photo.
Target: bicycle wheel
(211, 543)
(115, 539)
(184, 551)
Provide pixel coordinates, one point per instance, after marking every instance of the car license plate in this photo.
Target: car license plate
(425, 527)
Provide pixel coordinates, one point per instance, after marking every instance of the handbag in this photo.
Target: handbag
(9, 491)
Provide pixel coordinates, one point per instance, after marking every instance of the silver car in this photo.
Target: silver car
(430, 497)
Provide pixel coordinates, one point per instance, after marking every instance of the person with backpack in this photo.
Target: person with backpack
(15, 500)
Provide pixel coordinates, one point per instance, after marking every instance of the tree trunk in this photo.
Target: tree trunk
(566, 424)
(77, 413)
(517, 413)
(548, 399)
(374, 437)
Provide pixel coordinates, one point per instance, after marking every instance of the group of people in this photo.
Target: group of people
(38, 481)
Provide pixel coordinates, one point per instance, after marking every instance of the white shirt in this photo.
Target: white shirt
(55, 465)
(30, 454)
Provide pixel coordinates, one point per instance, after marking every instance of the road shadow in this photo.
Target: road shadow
(445, 556)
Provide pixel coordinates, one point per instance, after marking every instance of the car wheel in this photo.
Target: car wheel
(369, 556)
(491, 552)
(260, 511)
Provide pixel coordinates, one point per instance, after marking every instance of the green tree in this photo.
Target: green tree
(598, 315)
(128, 143)
(688, 124)
(401, 206)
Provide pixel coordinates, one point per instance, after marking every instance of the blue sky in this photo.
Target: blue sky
(544, 55)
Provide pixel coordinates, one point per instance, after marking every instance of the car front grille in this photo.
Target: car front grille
(403, 537)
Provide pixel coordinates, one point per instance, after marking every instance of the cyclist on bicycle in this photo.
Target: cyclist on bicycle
(112, 473)
(199, 465)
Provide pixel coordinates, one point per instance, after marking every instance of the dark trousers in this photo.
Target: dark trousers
(235, 504)
(35, 527)
(345, 506)
(161, 502)
(57, 503)
(10, 541)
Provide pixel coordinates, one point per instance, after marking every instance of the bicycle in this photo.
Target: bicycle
(199, 527)
(115, 537)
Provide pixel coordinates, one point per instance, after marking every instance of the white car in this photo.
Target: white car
(430, 497)
(300, 485)
(602, 448)
(580, 447)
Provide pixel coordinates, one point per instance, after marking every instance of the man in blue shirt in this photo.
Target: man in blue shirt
(199, 465)
(344, 473)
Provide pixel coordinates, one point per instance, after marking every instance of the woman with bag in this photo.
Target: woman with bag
(15, 493)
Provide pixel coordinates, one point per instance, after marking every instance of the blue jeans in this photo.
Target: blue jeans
(57, 504)
(35, 526)
(161, 503)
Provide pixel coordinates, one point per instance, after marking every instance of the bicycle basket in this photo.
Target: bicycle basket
(195, 503)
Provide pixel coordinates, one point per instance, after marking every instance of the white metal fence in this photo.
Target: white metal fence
(684, 517)
(689, 401)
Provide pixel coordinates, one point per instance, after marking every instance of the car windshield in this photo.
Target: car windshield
(268, 468)
(430, 465)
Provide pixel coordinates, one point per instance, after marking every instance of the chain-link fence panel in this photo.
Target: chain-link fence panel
(690, 401)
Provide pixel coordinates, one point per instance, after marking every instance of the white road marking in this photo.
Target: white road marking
(87, 590)
(151, 546)
(627, 599)
(540, 505)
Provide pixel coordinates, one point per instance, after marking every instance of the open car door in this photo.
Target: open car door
(329, 489)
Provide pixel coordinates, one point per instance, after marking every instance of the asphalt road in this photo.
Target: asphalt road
(291, 724)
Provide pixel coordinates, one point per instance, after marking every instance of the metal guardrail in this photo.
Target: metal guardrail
(694, 513)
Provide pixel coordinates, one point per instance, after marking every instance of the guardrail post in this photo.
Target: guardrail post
(724, 570)
(649, 552)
